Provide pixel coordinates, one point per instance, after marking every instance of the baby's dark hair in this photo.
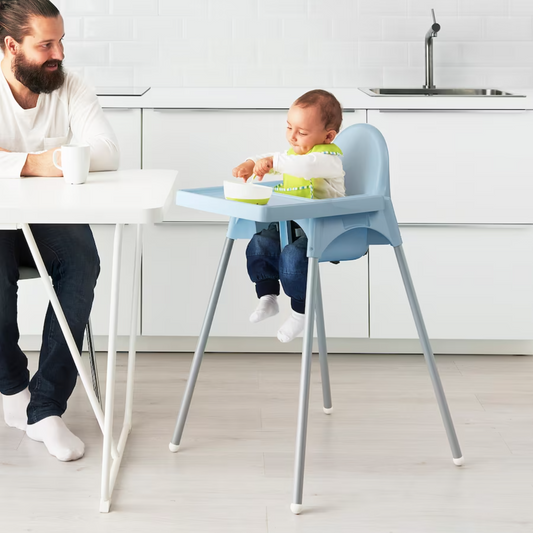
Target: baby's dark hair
(330, 108)
(15, 17)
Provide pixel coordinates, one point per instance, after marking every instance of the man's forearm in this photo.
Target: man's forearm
(41, 165)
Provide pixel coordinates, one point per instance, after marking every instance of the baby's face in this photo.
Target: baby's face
(305, 129)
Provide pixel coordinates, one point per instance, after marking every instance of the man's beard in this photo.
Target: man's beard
(35, 77)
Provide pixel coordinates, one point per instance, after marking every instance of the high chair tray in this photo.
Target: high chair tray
(280, 207)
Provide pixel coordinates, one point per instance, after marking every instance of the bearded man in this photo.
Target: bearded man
(42, 107)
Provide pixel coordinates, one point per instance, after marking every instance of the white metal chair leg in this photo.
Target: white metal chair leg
(429, 357)
(305, 379)
(322, 348)
(200, 348)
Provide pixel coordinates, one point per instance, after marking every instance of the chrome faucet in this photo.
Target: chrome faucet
(432, 32)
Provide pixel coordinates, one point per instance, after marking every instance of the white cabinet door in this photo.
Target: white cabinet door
(32, 301)
(472, 283)
(126, 124)
(180, 262)
(205, 145)
(459, 166)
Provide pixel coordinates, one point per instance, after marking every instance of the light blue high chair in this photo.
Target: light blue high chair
(339, 229)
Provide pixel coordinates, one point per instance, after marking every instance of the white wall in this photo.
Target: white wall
(277, 43)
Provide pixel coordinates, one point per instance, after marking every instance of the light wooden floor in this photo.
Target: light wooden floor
(379, 463)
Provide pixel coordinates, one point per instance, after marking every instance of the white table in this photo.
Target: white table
(124, 197)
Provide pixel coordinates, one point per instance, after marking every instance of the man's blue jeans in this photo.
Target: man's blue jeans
(268, 265)
(71, 259)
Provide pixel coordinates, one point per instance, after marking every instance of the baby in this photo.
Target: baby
(311, 168)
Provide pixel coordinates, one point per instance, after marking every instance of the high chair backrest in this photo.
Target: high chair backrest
(365, 160)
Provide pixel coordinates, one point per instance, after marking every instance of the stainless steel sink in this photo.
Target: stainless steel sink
(436, 92)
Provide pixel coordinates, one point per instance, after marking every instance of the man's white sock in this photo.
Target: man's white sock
(292, 327)
(267, 307)
(57, 437)
(15, 409)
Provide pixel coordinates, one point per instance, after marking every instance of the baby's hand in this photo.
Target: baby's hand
(263, 166)
(244, 170)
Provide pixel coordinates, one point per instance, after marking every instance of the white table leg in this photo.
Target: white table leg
(112, 457)
(52, 296)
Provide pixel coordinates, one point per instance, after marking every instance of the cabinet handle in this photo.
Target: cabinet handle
(212, 109)
(120, 108)
(448, 111)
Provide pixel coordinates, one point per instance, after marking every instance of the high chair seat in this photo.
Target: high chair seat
(339, 229)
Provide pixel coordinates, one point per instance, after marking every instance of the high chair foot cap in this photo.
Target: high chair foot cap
(104, 506)
(296, 508)
(459, 462)
(173, 447)
(328, 410)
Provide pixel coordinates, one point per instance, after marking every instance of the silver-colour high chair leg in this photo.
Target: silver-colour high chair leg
(322, 348)
(200, 348)
(92, 360)
(305, 378)
(429, 357)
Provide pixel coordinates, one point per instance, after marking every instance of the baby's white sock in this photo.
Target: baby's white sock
(267, 307)
(292, 327)
(57, 437)
(15, 409)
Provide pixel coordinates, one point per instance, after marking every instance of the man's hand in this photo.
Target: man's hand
(42, 165)
(263, 166)
(244, 170)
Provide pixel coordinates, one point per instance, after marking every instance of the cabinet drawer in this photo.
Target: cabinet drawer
(472, 283)
(459, 167)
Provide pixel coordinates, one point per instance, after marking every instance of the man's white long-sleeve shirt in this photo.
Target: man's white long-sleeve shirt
(324, 169)
(71, 114)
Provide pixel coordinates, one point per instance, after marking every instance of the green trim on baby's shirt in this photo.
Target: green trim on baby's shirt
(303, 187)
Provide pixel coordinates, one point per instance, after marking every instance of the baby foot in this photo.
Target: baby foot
(58, 439)
(267, 307)
(292, 327)
(15, 409)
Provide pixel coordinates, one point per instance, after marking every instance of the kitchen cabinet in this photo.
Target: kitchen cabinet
(459, 166)
(180, 262)
(472, 282)
(32, 300)
(127, 123)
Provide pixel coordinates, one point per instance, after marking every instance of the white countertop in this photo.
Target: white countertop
(281, 98)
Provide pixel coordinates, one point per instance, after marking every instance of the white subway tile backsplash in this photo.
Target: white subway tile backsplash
(134, 7)
(314, 78)
(184, 53)
(283, 52)
(110, 76)
(86, 54)
(383, 54)
(509, 29)
(384, 8)
(419, 8)
(255, 76)
(183, 8)
(282, 8)
(253, 43)
(235, 8)
(246, 28)
(213, 75)
(108, 29)
(484, 7)
(155, 29)
(521, 7)
(308, 29)
(132, 53)
(73, 28)
(84, 7)
(211, 29)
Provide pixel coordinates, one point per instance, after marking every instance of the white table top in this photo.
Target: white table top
(121, 197)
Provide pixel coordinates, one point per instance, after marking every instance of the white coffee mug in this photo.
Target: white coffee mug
(75, 162)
